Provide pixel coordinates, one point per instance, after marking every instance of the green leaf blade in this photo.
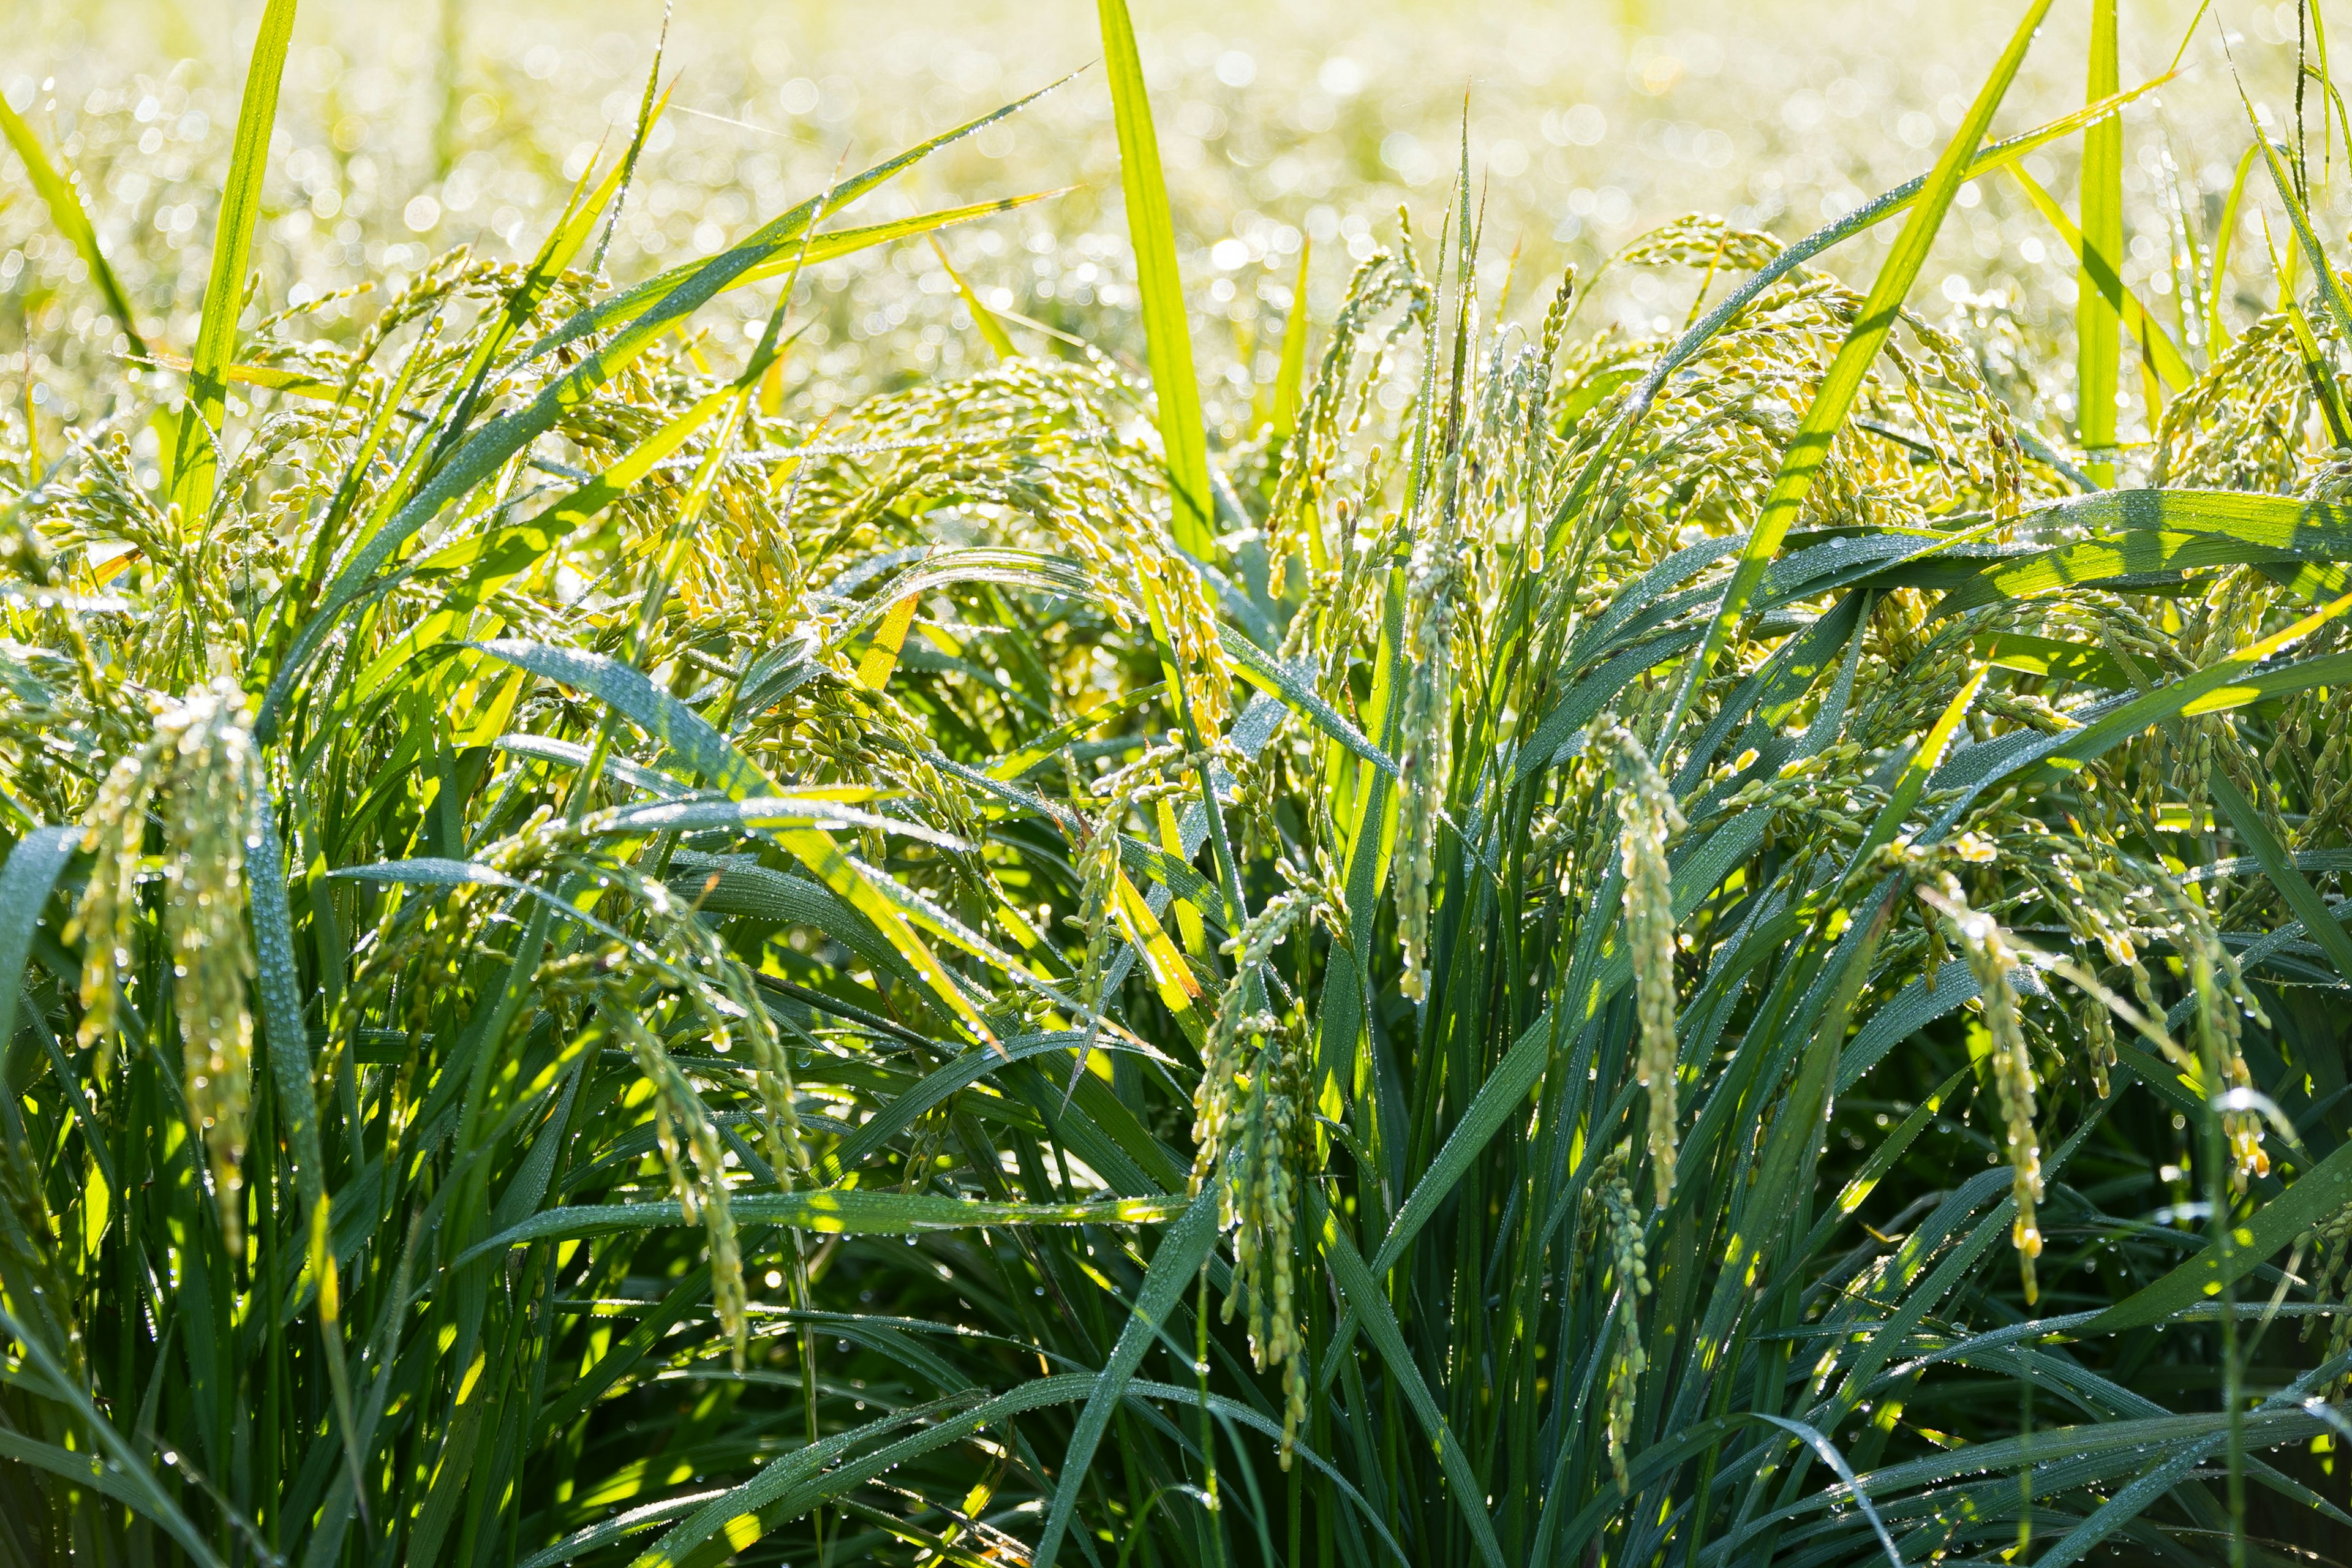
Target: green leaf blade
(1167, 329)
(196, 462)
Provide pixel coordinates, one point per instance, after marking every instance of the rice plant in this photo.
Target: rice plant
(1703, 947)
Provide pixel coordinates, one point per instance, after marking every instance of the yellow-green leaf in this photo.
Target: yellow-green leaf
(1166, 333)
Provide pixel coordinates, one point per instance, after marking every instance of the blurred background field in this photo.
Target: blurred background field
(409, 129)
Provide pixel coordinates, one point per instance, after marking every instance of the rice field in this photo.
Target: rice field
(965, 784)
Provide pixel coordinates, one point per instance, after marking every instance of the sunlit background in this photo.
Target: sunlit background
(407, 129)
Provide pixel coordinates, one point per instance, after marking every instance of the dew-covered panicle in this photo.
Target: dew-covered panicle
(2329, 1246)
(2098, 1027)
(1251, 1130)
(1323, 486)
(726, 1005)
(1647, 808)
(1217, 1099)
(198, 776)
(1426, 761)
(697, 1170)
(1629, 1254)
(2223, 1005)
(667, 979)
(1991, 959)
(1155, 776)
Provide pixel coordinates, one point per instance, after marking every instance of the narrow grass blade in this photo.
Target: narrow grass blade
(82, 1470)
(1361, 1291)
(24, 884)
(833, 1212)
(1167, 332)
(1290, 375)
(2114, 302)
(60, 195)
(957, 1074)
(649, 108)
(761, 812)
(31, 874)
(2224, 233)
(1913, 781)
(840, 242)
(284, 1034)
(195, 459)
(984, 320)
(129, 1469)
(1181, 1253)
(2104, 559)
(1258, 667)
(814, 848)
(556, 252)
(770, 240)
(1172, 977)
(801, 1488)
(325, 1279)
(2099, 247)
(269, 378)
(679, 728)
(1836, 1462)
(496, 557)
(2051, 657)
(2331, 286)
(881, 655)
(730, 886)
(2225, 684)
(1232, 1410)
(2195, 1439)
(750, 1501)
(2293, 885)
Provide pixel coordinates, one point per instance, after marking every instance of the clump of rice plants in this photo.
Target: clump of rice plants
(1712, 947)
